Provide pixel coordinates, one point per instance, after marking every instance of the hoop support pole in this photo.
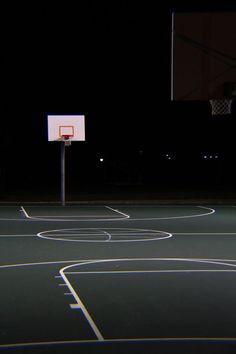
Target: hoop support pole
(172, 55)
(63, 201)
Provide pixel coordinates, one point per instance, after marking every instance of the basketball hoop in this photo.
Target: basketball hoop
(66, 139)
(65, 129)
(66, 133)
(220, 106)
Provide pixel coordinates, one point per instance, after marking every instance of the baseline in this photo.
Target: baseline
(115, 215)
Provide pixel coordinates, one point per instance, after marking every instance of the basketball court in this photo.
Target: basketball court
(120, 278)
(128, 277)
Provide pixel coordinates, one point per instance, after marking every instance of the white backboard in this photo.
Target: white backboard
(71, 125)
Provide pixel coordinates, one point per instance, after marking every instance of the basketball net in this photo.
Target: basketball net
(220, 106)
(66, 139)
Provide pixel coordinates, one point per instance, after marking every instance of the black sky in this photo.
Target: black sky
(81, 58)
(109, 60)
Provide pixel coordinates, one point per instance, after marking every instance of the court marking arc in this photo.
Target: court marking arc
(167, 235)
(125, 217)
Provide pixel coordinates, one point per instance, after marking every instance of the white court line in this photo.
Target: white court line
(153, 271)
(79, 305)
(115, 218)
(118, 340)
(160, 235)
(210, 211)
(151, 234)
(16, 235)
(88, 261)
(109, 236)
(25, 212)
(124, 234)
(118, 211)
(191, 260)
(204, 233)
(67, 218)
(33, 264)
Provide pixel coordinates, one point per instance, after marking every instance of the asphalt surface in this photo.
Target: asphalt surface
(118, 278)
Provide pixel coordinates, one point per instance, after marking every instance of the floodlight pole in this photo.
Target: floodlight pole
(172, 54)
(63, 145)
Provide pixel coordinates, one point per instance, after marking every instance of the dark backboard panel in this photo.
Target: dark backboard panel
(203, 55)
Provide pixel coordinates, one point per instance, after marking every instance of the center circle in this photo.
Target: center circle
(104, 235)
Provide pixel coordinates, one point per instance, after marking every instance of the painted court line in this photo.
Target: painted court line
(70, 216)
(154, 271)
(204, 233)
(147, 235)
(108, 236)
(210, 211)
(79, 305)
(121, 216)
(119, 340)
(117, 211)
(140, 234)
(25, 212)
(65, 271)
(42, 263)
(88, 261)
(221, 262)
(124, 216)
(16, 235)
(57, 235)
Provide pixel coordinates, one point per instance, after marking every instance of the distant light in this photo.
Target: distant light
(101, 159)
(169, 156)
(210, 156)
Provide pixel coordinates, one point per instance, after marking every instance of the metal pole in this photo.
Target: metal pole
(63, 173)
(172, 54)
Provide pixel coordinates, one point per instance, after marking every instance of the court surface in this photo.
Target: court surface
(118, 278)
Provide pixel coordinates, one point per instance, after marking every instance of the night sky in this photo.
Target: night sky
(100, 60)
(109, 61)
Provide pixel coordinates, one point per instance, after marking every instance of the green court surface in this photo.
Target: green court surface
(118, 278)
